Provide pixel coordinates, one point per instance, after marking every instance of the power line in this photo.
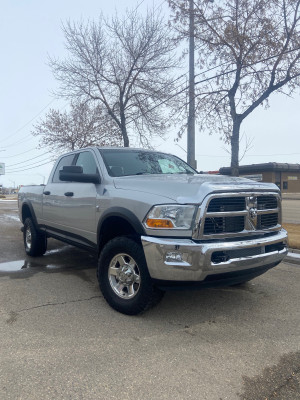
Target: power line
(19, 169)
(138, 5)
(26, 169)
(159, 5)
(20, 154)
(26, 138)
(25, 161)
(27, 123)
(211, 78)
(30, 136)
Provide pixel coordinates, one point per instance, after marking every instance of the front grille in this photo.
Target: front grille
(240, 214)
(223, 256)
(266, 202)
(219, 257)
(223, 224)
(267, 221)
(220, 204)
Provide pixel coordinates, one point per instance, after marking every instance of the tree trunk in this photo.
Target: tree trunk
(235, 147)
(124, 129)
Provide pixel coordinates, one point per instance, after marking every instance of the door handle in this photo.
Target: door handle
(69, 194)
(47, 193)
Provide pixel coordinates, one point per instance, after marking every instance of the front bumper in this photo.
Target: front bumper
(184, 260)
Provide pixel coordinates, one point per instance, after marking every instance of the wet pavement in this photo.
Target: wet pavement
(59, 338)
(59, 256)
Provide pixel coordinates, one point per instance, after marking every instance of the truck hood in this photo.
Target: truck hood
(189, 189)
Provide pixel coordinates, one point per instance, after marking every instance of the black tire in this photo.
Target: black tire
(126, 285)
(35, 242)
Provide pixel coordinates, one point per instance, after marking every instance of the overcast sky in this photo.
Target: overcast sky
(31, 29)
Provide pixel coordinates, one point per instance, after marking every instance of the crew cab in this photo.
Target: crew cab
(154, 222)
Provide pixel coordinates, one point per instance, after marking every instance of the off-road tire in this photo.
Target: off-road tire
(35, 242)
(145, 295)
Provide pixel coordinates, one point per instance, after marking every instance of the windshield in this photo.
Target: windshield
(137, 162)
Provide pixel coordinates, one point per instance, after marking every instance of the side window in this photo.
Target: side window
(87, 161)
(67, 160)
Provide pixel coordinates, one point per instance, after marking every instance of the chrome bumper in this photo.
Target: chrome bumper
(187, 260)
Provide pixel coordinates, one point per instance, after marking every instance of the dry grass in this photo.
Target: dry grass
(294, 235)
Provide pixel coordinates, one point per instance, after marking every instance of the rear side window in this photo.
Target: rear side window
(87, 161)
(67, 160)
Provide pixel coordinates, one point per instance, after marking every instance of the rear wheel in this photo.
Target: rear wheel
(35, 242)
(124, 278)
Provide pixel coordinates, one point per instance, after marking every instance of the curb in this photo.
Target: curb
(290, 196)
(293, 256)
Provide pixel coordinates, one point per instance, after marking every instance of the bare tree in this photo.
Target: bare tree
(248, 145)
(249, 49)
(83, 125)
(123, 63)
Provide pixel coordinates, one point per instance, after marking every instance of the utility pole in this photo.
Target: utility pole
(191, 118)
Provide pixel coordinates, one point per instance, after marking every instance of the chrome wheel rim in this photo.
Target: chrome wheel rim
(124, 276)
(28, 238)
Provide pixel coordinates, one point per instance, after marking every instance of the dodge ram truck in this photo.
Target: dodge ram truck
(154, 222)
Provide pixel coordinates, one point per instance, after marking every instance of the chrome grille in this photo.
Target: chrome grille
(225, 215)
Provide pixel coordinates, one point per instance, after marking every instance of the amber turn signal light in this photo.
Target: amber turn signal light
(159, 223)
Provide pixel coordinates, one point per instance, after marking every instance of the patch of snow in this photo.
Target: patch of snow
(53, 251)
(13, 217)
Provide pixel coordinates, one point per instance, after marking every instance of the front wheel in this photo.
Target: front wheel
(35, 242)
(124, 278)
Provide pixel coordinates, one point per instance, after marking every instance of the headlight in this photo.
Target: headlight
(170, 217)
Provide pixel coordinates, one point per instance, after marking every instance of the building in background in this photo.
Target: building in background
(285, 176)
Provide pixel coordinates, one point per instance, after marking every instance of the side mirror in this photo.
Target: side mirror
(74, 173)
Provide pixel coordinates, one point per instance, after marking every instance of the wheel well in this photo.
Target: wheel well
(113, 227)
(26, 213)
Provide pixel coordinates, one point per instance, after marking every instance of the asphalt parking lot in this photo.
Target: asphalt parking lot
(60, 340)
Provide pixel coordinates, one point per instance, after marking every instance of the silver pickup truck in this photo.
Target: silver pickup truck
(154, 222)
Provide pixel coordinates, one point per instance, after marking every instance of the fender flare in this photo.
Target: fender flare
(29, 205)
(123, 213)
